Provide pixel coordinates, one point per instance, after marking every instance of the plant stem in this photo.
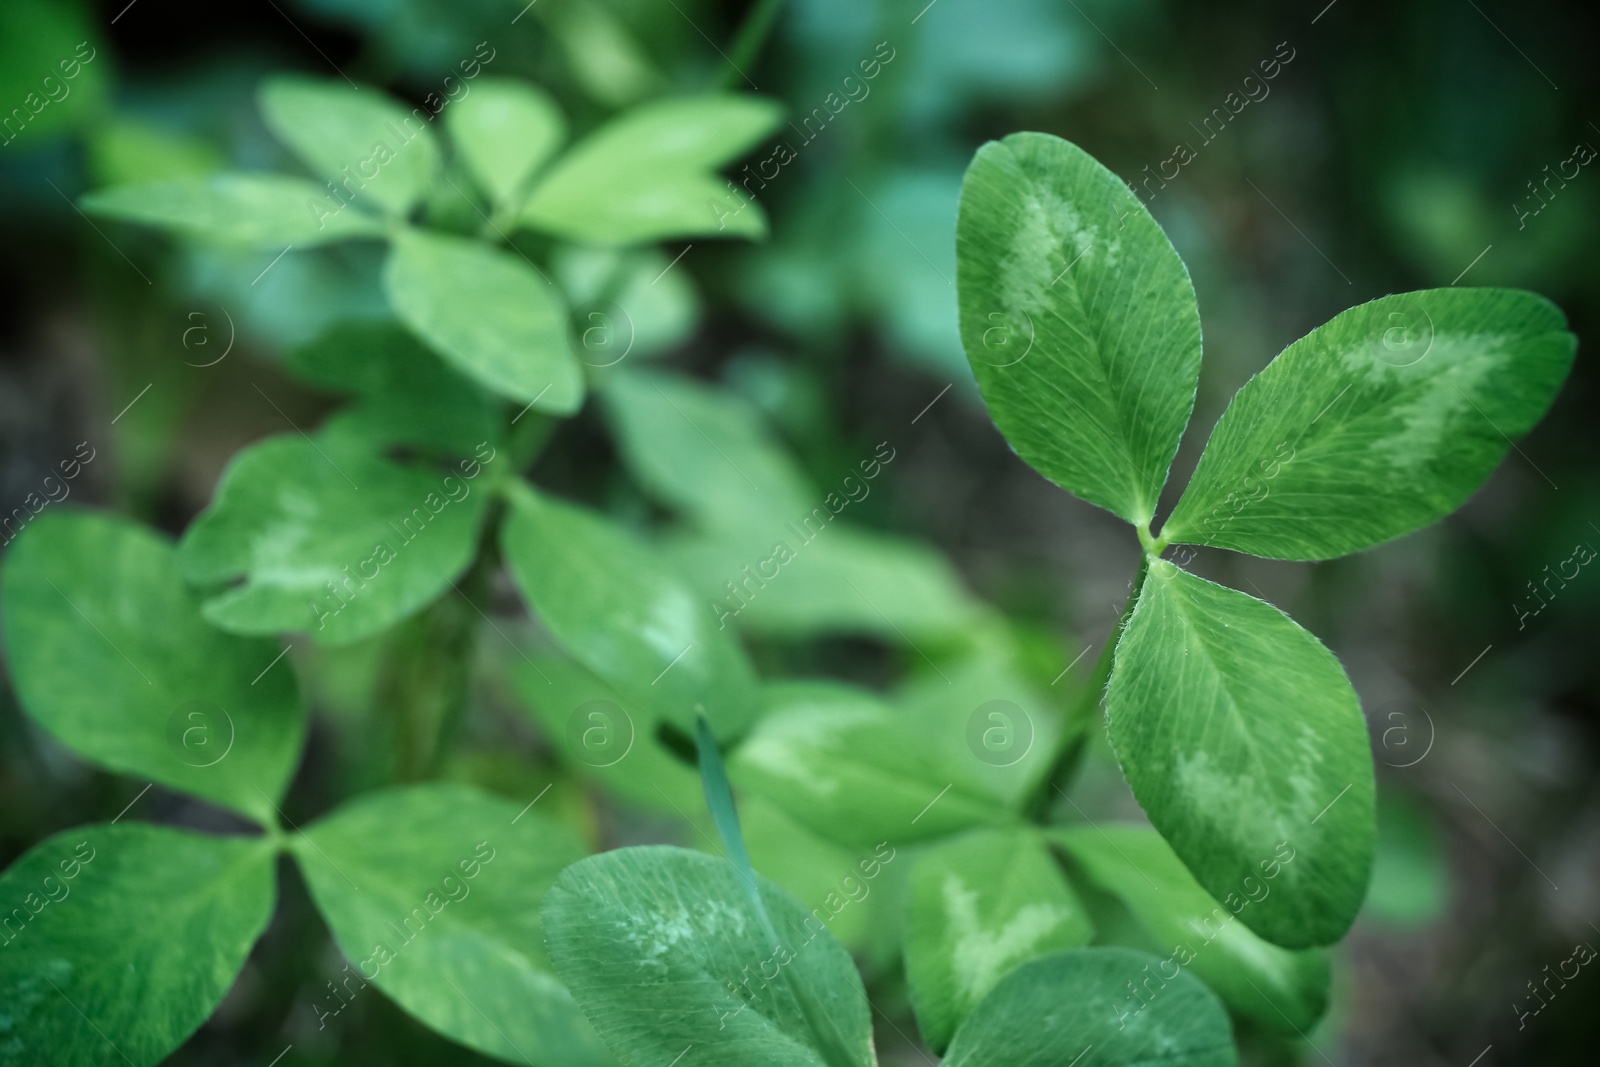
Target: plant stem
(427, 661)
(747, 43)
(424, 679)
(1075, 725)
(427, 669)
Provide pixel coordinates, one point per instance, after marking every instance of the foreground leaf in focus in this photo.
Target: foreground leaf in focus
(1078, 318)
(665, 948)
(1378, 423)
(1244, 743)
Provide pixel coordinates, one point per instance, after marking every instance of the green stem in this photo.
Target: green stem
(719, 802)
(747, 44)
(1074, 728)
(424, 677)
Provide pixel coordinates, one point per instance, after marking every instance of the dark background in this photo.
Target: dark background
(1393, 152)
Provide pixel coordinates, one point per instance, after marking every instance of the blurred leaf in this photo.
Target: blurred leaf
(597, 735)
(331, 539)
(1392, 414)
(657, 945)
(626, 302)
(908, 262)
(126, 152)
(857, 771)
(130, 938)
(605, 59)
(704, 450)
(1078, 318)
(981, 711)
(819, 873)
(366, 143)
(620, 610)
(1439, 218)
(648, 174)
(235, 208)
(1059, 1007)
(294, 301)
(1241, 736)
(442, 916)
(108, 652)
(1008, 51)
(1280, 989)
(1410, 875)
(848, 581)
(504, 130)
(407, 394)
(981, 905)
(54, 69)
(489, 313)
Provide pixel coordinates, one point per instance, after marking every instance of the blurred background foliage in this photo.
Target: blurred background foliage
(1399, 148)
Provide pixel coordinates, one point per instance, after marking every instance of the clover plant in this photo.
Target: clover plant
(1027, 933)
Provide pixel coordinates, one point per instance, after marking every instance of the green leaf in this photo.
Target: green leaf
(625, 302)
(331, 538)
(443, 916)
(1078, 318)
(719, 805)
(54, 71)
(367, 144)
(1411, 883)
(981, 905)
(1049, 1011)
(489, 313)
(407, 394)
(1242, 739)
(504, 130)
(602, 736)
(792, 581)
(1381, 421)
(980, 709)
(1280, 989)
(858, 772)
(616, 607)
(129, 151)
(108, 652)
(269, 210)
(121, 940)
(602, 55)
(648, 174)
(840, 885)
(705, 451)
(665, 948)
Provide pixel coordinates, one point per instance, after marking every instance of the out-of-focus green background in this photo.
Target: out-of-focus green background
(1395, 147)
